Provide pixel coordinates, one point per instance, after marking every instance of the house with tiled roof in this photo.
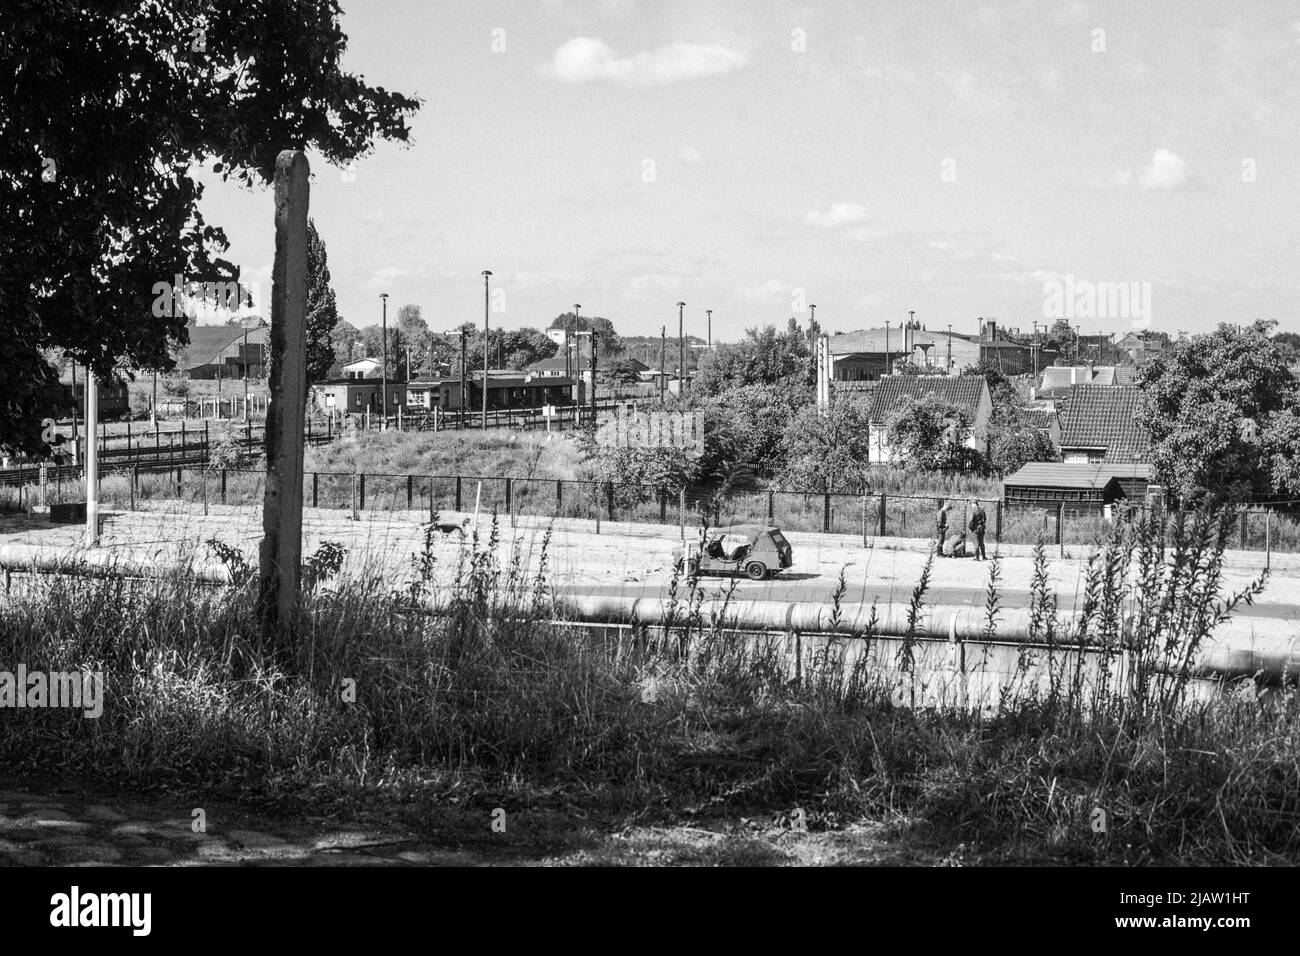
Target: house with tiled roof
(1098, 424)
(968, 392)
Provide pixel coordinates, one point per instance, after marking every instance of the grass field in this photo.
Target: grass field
(474, 693)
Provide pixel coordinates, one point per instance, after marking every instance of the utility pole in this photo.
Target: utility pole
(949, 348)
(709, 313)
(593, 378)
(663, 359)
(681, 353)
(462, 403)
(245, 364)
(568, 360)
(487, 277)
(887, 364)
(383, 396)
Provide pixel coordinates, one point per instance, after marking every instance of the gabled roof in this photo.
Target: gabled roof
(1051, 474)
(1102, 416)
(1040, 417)
(964, 391)
(556, 364)
(207, 342)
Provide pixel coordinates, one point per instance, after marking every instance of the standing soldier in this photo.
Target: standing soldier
(941, 525)
(977, 522)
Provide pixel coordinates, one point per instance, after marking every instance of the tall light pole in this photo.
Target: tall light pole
(487, 277)
(709, 313)
(245, 364)
(949, 348)
(663, 359)
(568, 361)
(887, 364)
(681, 352)
(383, 396)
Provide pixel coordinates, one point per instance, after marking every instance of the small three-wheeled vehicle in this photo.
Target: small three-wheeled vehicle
(758, 551)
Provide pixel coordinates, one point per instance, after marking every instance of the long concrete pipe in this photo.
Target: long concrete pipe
(1275, 657)
(100, 562)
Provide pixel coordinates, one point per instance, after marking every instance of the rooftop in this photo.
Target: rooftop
(965, 391)
(1102, 416)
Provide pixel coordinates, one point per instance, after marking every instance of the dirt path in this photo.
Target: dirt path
(51, 824)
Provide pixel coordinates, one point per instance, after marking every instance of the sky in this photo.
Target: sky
(959, 160)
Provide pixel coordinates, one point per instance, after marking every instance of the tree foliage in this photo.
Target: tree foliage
(1208, 403)
(322, 309)
(763, 357)
(108, 108)
(827, 452)
(929, 434)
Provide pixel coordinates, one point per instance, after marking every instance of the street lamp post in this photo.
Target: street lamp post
(709, 313)
(663, 359)
(568, 352)
(487, 276)
(383, 390)
(681, 352)
(887, 367)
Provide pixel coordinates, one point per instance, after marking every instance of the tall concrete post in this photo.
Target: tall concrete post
(281, 549)
(823, 374)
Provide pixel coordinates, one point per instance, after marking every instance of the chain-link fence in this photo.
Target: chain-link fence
(1271, 528)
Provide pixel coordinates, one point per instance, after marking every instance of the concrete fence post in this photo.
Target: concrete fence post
(280, 555)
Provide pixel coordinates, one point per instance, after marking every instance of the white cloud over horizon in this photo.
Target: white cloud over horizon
(592, 60)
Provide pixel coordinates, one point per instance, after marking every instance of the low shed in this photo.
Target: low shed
(1081, 488)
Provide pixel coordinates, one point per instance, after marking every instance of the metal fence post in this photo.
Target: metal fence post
(223, 486)
(315, 487)
(559, 496)
(510, 496)
(458, 508)
(771, 507)
(826, 513)
(883, 498)
(361, 494)
(1268, 540)
(410, 490)
(609, 499)
(997, 521)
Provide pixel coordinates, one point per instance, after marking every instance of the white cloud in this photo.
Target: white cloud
(840, 214)
(590, 60)
(1166, 171)
(384, 276)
